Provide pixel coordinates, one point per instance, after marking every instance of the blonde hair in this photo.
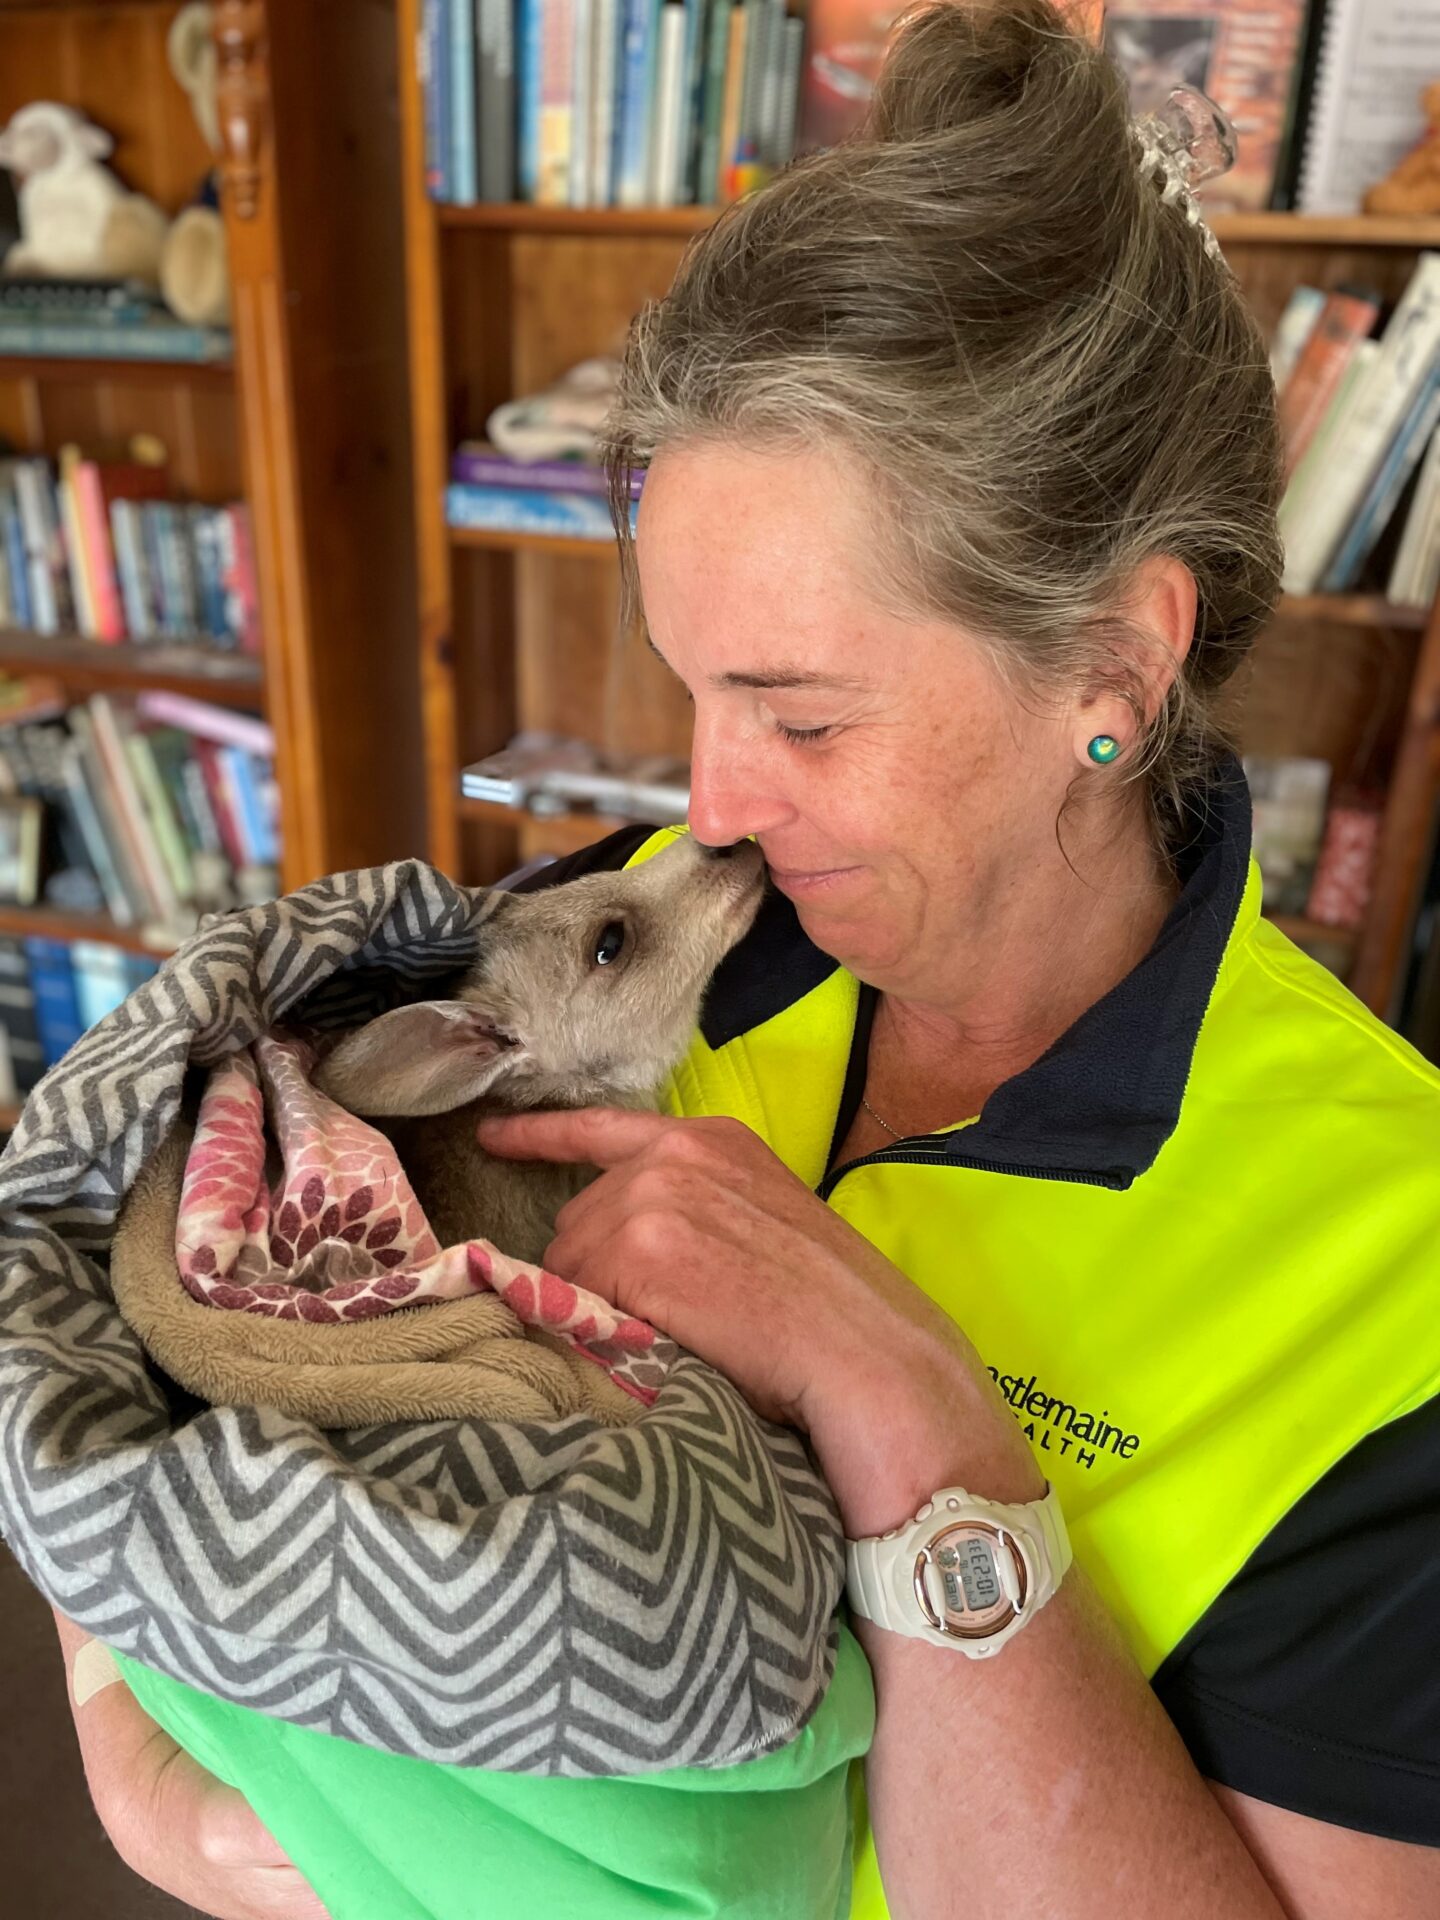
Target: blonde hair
(986, 299)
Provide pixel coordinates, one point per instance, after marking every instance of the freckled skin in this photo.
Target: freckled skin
(929, 809)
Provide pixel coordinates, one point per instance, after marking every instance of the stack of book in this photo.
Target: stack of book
(1316, 845)
(1359, 411)
(494, 491)
(99, 319)
(50, 992)
(607, 103)
(96, 548)
(153, 812)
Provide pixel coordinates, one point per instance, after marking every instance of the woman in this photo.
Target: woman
(1017, 1155)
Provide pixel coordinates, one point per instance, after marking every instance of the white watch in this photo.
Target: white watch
(964, 1573)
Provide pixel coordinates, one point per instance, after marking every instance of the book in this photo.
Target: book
(152, 340)
(1242, 55)
(1383, 494)
(80, 585)
(427, 67)
(476, 463)
(496, 95)
(464, 182)
(1347, 316)
(1415, 571)
(208, 722)
(667, 144)
(528, 74)
(528, 510)
(1387, 392)
(121, 899)
(1365, 114)
(141, 850)
(100, 570)
(17, 1015)
(102, 980)
(556, 113)
(1292, 330)
(607, 20)
(634, 110)
(582, 95)
(707, 187)
(57, 1010)
(1312, 475)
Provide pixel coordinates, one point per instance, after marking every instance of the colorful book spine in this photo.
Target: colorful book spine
(495, 85)
(557, 67)
(667, 143)
(604, 68)
(582, 100)
(66, 340)
(472, 465)
(707, 188)
(99, 554)
(1348, 316)
(637, 63)
(57, 1010)
(464, 155)
(206, 721)
(75, 550)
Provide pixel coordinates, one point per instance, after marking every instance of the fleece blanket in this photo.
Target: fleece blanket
(550, 1597)
(323, 1291)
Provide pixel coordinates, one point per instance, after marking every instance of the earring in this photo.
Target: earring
(1103, 749)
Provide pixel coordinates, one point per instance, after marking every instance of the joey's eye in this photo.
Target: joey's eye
(608, 946)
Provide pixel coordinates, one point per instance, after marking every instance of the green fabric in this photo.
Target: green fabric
(381, 1837)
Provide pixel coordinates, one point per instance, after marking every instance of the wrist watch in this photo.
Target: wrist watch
(964, 1573)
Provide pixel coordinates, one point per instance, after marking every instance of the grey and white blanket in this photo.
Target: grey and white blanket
(562, 1599)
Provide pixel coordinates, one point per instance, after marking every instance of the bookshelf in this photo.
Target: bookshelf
(307, 423)
(518, 631)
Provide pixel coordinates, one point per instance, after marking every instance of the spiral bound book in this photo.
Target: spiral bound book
(1365, 115)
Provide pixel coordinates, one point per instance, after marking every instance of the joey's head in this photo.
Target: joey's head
(578, 993)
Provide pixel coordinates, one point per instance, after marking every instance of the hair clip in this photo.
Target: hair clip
(1184, 142)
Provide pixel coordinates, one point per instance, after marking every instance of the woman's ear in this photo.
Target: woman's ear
(427, 1058)
(1161, 605)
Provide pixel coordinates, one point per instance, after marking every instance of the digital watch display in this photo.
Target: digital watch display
(970, 1580)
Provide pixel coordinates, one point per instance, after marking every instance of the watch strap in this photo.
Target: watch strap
(873, 1565)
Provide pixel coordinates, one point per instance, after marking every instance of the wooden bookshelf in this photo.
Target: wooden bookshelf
(307, 422)
(91, 666)
(518, 631)
(49, 923)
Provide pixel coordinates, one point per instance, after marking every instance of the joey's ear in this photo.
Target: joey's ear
(428, 1058)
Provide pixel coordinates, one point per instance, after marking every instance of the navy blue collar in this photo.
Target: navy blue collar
(1105, 1098)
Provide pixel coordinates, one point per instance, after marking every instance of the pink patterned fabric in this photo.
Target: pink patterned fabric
(341, 1235)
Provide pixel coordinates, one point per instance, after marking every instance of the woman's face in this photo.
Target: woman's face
(900, 792)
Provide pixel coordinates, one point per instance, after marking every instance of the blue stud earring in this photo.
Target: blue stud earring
(1103, 749)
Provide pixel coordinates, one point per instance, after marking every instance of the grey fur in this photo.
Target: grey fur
(536, 1021)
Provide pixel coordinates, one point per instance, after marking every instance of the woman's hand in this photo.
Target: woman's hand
(170, 1821)
(696, 1226)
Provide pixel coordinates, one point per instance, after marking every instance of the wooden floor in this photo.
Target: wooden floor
(55, 1862)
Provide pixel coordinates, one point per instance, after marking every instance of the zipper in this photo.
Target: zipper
(921, 1151)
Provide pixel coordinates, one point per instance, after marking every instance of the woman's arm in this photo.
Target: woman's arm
(1047, 1781)
(169, 1820)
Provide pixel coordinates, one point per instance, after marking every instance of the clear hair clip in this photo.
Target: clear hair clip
(1184, 142)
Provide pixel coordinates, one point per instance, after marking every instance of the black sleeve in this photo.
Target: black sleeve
(602, 856)
(1313, 1681)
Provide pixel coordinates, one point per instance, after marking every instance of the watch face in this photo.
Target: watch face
(970, 1580)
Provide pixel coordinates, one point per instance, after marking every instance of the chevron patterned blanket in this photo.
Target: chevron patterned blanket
(561, 1598)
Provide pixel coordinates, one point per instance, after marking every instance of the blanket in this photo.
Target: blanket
(324, 1292)
(557, 1597)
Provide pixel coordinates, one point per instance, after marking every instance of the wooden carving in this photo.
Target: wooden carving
(243, 98)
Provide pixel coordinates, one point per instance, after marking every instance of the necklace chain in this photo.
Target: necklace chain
(894, 1133)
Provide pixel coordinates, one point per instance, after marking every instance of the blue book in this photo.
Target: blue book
(527, 510)
(13, 535)
(464, 169)
(57, 1009)
(529, 62)
(256, 827)
(1380, 497)
(634, 119)
(161, 340)
(443, 188)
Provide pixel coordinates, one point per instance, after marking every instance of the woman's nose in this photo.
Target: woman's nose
(728, 801)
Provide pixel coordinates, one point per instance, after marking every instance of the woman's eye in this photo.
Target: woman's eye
(612, 939)
(801, 736)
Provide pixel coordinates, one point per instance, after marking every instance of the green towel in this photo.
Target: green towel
(383, 1837)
